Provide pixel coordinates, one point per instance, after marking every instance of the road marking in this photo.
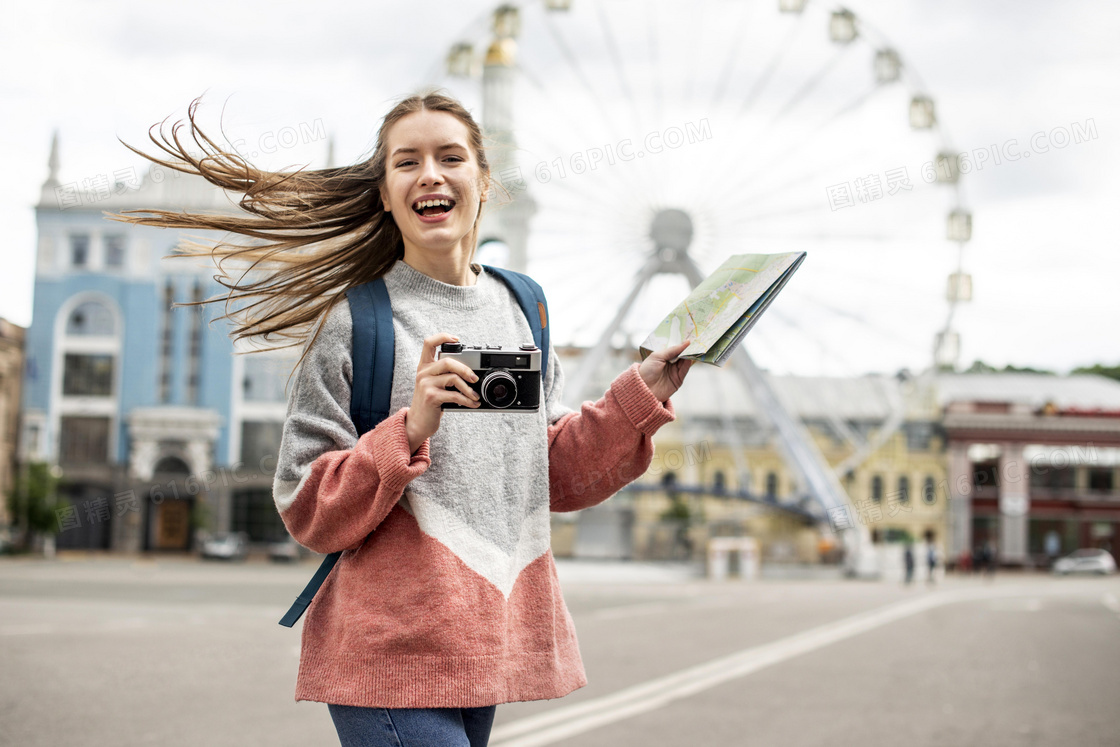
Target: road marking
(565, 722)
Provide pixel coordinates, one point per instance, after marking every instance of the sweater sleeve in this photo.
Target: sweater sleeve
(606, 445)
(332, 488)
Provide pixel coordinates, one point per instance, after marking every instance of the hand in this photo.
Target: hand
(663, 372)
(433, 379)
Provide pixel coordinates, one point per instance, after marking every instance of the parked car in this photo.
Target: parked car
(1086, 560)
(288, 551)
(226, 546)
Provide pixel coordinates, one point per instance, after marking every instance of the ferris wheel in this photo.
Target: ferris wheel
(640, 143)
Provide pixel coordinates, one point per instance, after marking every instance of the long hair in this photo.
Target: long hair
(315, 234)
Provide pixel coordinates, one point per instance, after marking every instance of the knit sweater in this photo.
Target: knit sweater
(446, 592)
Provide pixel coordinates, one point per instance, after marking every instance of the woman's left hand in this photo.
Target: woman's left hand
(663, 372)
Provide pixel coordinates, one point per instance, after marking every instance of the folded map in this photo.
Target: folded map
(721, 310)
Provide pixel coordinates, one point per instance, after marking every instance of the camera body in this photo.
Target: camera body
(509, 379)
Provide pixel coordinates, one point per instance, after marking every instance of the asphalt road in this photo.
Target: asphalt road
(124, 651)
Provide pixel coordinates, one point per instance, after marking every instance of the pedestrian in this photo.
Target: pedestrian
(908, 559)
(931, 561)
(991, 557)
(1053, 547)
(445, 600)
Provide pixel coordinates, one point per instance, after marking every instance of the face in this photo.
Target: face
(430, 159)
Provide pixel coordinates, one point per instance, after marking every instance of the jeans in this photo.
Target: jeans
(412, 727)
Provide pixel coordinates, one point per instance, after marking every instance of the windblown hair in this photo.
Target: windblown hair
(315, 234)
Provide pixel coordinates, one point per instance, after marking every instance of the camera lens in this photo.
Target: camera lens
(499, 389)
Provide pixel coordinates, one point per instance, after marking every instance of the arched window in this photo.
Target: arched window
(669, 479)
(718, 482)
(771, 486)
(877, 489)
(90, 319)
(929, 492)
(904, 489)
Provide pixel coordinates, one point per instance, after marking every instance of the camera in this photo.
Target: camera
(509, 379)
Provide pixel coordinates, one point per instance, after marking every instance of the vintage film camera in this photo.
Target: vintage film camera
(509, 379)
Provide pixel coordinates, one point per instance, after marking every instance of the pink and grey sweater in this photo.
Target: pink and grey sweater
(446, 593)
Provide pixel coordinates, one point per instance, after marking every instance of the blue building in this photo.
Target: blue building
(159, 426)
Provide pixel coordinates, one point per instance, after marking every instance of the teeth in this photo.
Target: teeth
(432, 203)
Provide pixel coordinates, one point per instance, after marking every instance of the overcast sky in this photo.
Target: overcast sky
(1043, 256)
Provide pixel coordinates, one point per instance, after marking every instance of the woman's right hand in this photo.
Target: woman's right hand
(433, 377)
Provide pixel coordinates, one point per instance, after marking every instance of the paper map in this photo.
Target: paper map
(721, 310)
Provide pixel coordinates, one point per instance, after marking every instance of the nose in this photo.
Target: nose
(430, 172)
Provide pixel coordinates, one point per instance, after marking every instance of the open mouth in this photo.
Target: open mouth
(432, 208)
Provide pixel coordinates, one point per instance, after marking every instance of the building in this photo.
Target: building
(1034, 464)
(721, 466)
(11, 380)
(158, 427)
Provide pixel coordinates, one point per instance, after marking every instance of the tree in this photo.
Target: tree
(33, 503)
(1112, 372)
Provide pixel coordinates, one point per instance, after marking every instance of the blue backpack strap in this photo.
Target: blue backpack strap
(373, 357)
(372, 322)
(530, 296)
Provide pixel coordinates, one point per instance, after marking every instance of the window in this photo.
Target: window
(929, 491)
(84, 440)
(87, 375)
(165, 344)
(254, 512)
(1052, 478)
(263, 380)
(918, 435)
(985, 473)
(877, 489)
(718, 482)
(114, 251)
(904, 489)
(90, 319)
(260, 440)
(196, 346)
(771, 486)
(1100, 480)
(79, 250)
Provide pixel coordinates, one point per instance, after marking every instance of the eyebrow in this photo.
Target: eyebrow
(445, 146)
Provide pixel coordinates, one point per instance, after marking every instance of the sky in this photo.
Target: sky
(870, 295)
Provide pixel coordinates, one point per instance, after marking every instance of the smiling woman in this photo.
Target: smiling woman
(317, 233)
(441, 598)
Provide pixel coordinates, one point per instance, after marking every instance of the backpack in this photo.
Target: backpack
(372, 353)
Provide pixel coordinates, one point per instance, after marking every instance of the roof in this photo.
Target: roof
(709, 391)
(1082, 391)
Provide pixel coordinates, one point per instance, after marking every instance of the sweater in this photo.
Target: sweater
(446, 593)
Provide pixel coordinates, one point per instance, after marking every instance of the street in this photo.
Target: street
(115, 650)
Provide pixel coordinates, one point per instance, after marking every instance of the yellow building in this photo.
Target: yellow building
(719, 469)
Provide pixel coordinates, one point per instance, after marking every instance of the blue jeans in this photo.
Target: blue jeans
(412, 727)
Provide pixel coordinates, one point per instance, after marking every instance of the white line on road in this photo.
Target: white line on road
(561, 723)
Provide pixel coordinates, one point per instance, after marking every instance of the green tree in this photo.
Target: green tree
(1112, 372)
(33, 502)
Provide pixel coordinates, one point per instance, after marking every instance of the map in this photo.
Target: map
(721, 310)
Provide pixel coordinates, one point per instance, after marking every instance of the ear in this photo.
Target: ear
(484, 187)
(384, 199)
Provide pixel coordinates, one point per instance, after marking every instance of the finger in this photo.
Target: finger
(450, 388)
(428, 354)
(453, 381)
(446, 365)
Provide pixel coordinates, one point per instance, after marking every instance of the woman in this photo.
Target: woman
(445, 602)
